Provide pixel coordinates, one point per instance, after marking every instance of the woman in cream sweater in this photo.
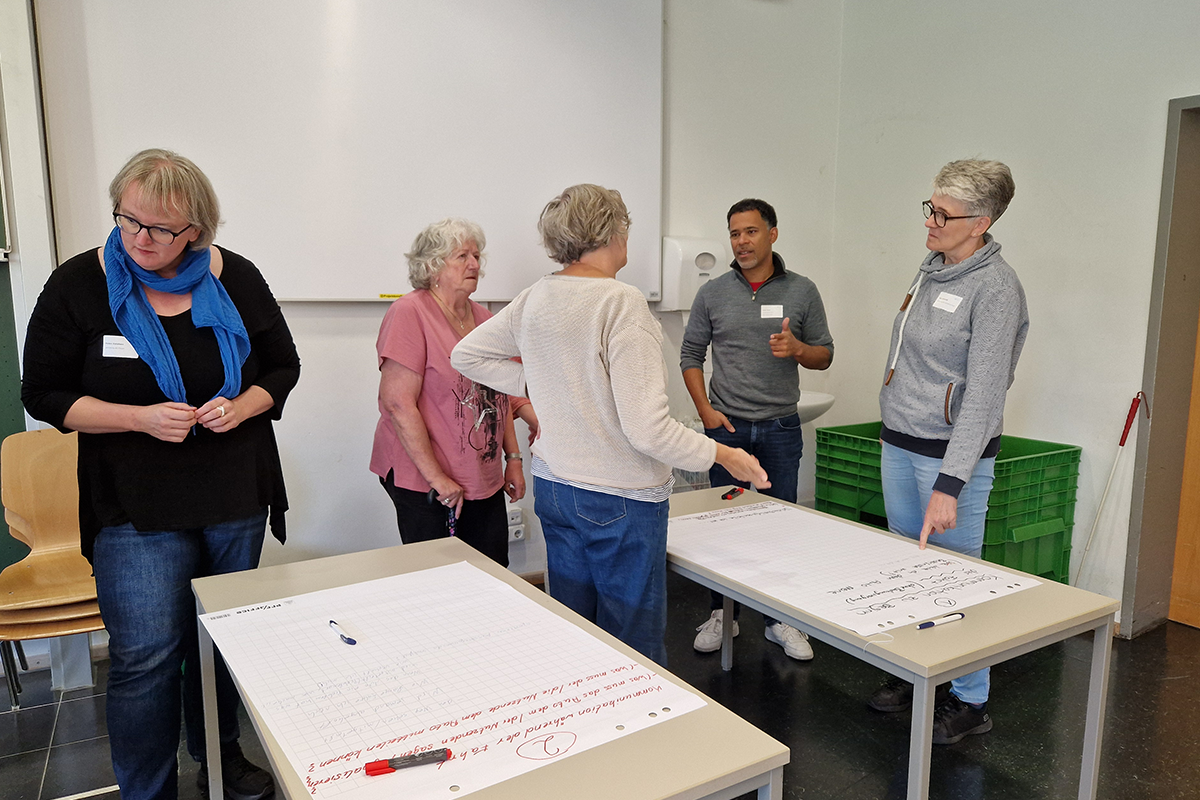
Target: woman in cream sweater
(591, 362)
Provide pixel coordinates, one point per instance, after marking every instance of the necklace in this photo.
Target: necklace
(462, 323)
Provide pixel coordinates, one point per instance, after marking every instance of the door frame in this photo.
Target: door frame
(1167, 378)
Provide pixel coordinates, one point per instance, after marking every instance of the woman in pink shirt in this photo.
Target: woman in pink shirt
(439, 430)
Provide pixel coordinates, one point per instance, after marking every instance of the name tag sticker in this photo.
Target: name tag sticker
(118, 347)
(771, 312)
(947, 302)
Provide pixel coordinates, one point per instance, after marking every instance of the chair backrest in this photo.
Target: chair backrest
(39, 486)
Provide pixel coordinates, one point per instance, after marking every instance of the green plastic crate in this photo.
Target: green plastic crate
(860, 499)
(1042, 549)
(1036, 482)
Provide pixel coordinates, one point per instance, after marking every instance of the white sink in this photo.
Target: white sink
(813, 405)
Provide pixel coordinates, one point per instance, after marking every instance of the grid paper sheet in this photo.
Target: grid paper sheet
(445, 657)
(837, 571)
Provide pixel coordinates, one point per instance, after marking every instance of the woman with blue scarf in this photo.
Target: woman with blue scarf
(171, 358)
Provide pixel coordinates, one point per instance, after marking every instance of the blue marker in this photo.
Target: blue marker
(338, 629)
(955, 617)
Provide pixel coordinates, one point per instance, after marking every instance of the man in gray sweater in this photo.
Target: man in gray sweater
(763, 323)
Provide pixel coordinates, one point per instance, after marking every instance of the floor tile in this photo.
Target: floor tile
(841, 749)
(79, 720)
(22, 775)
(78, 767)
(26, 729)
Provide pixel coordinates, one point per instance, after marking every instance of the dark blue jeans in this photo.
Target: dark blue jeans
(143, 584)
(778, 445)
(607, 561)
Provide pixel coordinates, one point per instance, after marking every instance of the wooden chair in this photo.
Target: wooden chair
(51, 591)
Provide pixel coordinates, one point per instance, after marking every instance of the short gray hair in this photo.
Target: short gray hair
(434, 244)
(169, 182)
(583, 218)
(984, 187)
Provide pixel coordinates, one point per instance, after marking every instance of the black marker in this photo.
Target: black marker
(384, 766)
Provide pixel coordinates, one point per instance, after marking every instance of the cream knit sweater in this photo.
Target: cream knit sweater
(593, 367)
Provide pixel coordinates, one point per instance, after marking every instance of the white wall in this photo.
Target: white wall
(751, 111)
(1073, 96)
(742, 121)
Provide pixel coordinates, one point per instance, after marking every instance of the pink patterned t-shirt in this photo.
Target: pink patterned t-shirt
(465, 420)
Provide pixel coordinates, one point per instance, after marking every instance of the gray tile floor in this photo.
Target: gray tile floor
(56, 746)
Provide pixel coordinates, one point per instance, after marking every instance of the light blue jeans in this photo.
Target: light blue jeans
(607, 561)
(907, 486)
(143, 584)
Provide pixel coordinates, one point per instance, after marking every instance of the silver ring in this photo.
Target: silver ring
(221, 409)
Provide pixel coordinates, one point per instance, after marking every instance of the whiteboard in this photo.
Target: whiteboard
(334, 130)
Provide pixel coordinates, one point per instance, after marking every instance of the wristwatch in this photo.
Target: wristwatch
(512, 456)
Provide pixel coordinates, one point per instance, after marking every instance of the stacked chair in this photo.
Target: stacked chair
(51, 591)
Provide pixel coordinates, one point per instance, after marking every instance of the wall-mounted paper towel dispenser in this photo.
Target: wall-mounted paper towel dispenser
(687, 265)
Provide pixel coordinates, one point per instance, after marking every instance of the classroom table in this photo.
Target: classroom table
(992, 632)
(708, 753)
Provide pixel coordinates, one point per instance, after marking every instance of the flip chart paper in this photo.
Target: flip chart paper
(852, 577)
(445, 657)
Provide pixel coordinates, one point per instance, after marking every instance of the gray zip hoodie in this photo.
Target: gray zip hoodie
(955, 345)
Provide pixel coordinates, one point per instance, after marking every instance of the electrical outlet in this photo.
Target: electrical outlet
(516, 533)
(514, 516)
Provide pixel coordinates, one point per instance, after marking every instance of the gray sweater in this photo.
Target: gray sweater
(748, 382)
(958, 356)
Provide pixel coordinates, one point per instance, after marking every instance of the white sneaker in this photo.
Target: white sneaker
(709, 637)
(794, 642)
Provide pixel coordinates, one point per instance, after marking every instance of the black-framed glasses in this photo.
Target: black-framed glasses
(940, 217)
(157, 235)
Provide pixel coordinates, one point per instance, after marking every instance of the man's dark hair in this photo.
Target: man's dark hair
(751, 204)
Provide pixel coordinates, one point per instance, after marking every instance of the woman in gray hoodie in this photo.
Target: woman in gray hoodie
(954, 351)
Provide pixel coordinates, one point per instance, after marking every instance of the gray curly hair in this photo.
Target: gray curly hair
(433, 245)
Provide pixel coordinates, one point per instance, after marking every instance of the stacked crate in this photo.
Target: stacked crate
(1031, 510)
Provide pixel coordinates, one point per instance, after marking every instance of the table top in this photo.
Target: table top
(686, 757)
(1006, 625)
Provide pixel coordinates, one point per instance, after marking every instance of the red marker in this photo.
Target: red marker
(384, 766)
(732, 493)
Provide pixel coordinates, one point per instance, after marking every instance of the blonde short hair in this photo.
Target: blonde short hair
(434, 245)
(583, 218)
(984, 187)
(173, 184)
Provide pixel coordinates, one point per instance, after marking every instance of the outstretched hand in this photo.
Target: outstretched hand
(742, 466)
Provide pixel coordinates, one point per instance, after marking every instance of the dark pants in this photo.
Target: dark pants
(778, 445)
(143, 584)
(607, 559)
(483, 524)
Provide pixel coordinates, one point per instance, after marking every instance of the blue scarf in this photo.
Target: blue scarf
(138, 322)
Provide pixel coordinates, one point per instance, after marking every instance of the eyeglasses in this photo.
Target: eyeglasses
(157, 235)
(940, 217)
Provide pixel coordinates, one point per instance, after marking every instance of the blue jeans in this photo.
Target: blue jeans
(907, 486)
(143, 584)
(778, 445)
(607, 561)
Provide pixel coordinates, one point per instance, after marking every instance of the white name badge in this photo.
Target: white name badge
(118, 347)
(771, 312)
(947, 302)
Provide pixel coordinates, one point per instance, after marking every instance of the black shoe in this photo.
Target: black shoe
(954, 719)
(896, 694)
(242, 780)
